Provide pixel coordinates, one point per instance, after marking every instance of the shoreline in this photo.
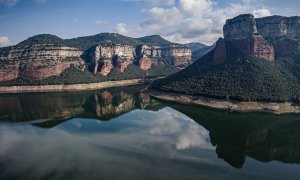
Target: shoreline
(238, 106)
(71, 87)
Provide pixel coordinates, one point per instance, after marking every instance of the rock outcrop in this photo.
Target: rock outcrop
(282, 32)
(107, 57)
(145, 63)
(220, 53)
(279, 26)
(264, 37)
(46, 55)
(176, 55)
(242, 33)
(38, 61)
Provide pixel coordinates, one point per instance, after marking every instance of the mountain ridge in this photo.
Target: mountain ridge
(49, 59)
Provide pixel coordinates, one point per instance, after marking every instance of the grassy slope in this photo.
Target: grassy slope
(240, 78)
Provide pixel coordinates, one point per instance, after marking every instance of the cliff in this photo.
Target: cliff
(45, 56)
(54, 108)
(176, 55)
(264, 37)
(242, 34)
(282, 32)
(38, 61)
(107, 57)
(117, 56)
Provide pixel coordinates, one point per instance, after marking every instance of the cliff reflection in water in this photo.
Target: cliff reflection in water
(264, 137)
(47, 109)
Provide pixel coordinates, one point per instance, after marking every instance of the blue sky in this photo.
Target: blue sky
(176, 20)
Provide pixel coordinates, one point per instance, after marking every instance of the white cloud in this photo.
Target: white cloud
(99, 22)
(9, 3)
(261, 12)
(191, 20)
(121, 28)
(4, 41)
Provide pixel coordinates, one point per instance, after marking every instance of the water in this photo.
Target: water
(120, 134)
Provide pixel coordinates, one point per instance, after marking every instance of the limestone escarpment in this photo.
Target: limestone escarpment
(264, 37)
(43, 56)
(282, 32)
(38, 61)
(240, 27)
(242, 33)
(106, 57)
(279, 26)
(176, 55)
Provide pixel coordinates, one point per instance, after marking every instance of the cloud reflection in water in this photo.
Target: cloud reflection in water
(133, 141)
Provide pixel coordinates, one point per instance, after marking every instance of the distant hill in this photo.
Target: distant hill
(154, 40)
(195, 46)
(199, 49)
(89, 41)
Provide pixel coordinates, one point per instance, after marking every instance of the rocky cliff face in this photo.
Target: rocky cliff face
(220, 53)
(279, 26)
(38, 61)
(264, 37)
(176, 55)
(107, 57)
(145, 63)
(118, 57)
(43, 56)
(240, 27)
(242, 33)
(282, 32)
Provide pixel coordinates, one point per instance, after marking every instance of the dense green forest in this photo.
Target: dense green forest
(73, 75)
(238, 78)
(87, 42)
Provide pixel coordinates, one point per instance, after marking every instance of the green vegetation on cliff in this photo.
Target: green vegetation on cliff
(87, 42)
(73, 75)
(154, 40)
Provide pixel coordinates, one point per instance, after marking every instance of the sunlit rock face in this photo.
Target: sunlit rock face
(145, 63)
(43, 56)
(243, 35)
(176, 55)
(107, 57)
(264, 37)
(112, 56)
(240, 27)
(38, 61)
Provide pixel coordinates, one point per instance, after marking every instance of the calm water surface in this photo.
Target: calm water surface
(121, 134)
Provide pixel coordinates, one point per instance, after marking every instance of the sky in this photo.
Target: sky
(181, 21)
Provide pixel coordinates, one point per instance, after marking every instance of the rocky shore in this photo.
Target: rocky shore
(272, 107)
(72, 87)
